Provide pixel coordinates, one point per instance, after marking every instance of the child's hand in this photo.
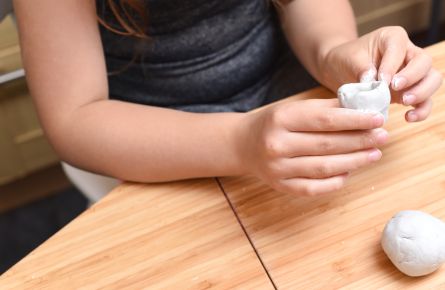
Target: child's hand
(309, 147)
(386, 54)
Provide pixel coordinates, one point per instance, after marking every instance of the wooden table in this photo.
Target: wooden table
(238, 233)
(333, 241)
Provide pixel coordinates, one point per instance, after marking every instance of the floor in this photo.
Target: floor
(24, 228)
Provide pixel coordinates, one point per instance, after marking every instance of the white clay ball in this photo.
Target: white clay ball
(373, 97)
(415, 242)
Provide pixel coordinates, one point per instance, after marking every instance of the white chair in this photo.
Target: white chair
(93, 186)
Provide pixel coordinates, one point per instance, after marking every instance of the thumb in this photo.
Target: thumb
(363, 68)
(392, 47)
(369, 74)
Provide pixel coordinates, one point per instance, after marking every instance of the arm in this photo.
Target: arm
(322, 34)
(294, 147)
(66, 73)
(313, 28)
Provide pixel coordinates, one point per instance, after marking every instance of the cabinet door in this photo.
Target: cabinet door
(11, 166)
(23, 147)
(22, 123)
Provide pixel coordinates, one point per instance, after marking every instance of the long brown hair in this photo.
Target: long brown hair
(125, 11)
(131, 15)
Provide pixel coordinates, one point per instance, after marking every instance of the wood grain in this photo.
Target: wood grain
(169, 236)
(333, 242)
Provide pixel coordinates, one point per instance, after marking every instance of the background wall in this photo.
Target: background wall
(23, 148)
(414, 15)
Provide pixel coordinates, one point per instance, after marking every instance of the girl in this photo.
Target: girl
(184, 74)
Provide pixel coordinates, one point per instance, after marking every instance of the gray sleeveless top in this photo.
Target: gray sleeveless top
(203, 56)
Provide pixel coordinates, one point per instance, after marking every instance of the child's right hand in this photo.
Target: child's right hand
(309, 147)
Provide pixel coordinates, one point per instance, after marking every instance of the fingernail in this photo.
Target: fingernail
(384, 77)
(409, 99)
(398, 83)
(412, 117)
(375, 155)
(382, 136)
(378, 120)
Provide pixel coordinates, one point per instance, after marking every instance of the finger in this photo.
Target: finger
(328, 166)
(305, 119)
(319, 103)
(424, 89)
(393, 48)
(289, 110)
(362, 67)
(369, 75)
(292, 103)
(420, 113)
(414, 71)
(311, 187)
(317, 144)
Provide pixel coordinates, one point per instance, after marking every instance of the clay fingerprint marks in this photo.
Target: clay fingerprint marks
(414, 241)
(373, 97)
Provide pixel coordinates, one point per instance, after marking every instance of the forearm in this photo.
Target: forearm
(314, 27)
(149, 144)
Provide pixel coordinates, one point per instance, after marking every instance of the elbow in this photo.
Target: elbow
(58, 137)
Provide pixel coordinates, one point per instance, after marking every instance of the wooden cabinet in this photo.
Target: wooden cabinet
(23, 147)
(413, 15)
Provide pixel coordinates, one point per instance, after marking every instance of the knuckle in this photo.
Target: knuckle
(278, 116)
(273, 147)
(394, 37)
(323, 169)
(338, 184)
(278, 185)
(357, 162)
(437, 74)
(326, 121)
(397, 29)
(309, 190)
(362, 160)
(325, 145)
(274, 170)
(427, 59)
(356, 54)
(367, 140)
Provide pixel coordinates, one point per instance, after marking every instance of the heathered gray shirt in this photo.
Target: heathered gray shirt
(203, 56)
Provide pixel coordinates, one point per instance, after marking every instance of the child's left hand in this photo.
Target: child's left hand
(386, 54)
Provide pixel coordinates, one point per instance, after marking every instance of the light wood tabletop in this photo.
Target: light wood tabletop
(188, 235)
(170, 236)
(333, 241)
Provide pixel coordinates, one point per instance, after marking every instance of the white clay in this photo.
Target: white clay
(369, 76)
(366, 97)
(415, 242)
